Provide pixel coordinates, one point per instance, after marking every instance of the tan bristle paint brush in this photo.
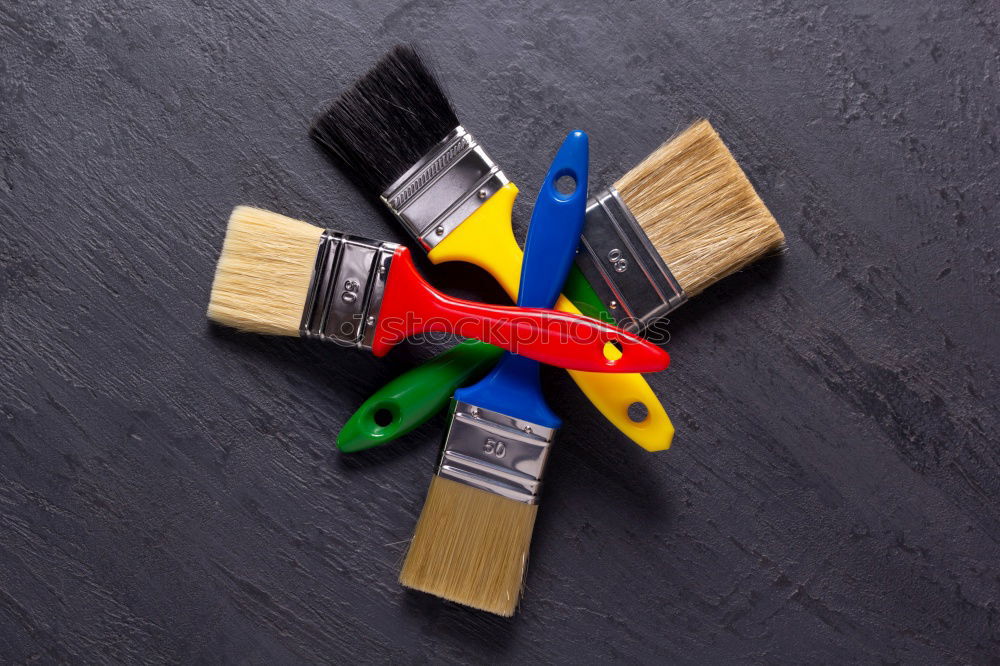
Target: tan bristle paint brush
(679, 221)
(282, 276)
(703, 219)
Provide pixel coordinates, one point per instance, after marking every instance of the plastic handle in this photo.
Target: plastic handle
(556, 223)
(513, 387)
(487, 240)
(578, 290)
(410, 306)
(414, 397)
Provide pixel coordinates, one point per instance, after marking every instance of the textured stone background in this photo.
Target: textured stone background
(169, 492)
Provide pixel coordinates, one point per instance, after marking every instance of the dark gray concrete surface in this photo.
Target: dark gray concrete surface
(169, 491)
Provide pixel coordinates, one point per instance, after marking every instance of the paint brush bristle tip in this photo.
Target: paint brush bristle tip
(470, 546)
(262, 279)
(699, 209)
(387, 121)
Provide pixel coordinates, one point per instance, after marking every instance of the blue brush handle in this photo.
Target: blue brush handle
(513, 387)
(556, 224)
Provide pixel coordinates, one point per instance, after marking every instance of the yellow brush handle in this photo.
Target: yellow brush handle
(486, 239)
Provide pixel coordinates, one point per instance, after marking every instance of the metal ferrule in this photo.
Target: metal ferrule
(441, 190)
(495, 452)
(345, 294)
(623, 267)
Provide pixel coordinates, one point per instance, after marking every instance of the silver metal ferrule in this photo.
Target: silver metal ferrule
(441, 190)
(495, 452)
(621, 264)
(345, 294)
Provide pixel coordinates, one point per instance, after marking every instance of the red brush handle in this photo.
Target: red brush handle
(574, 342)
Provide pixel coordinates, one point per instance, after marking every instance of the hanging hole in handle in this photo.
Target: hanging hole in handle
(565, 184)
(613, 350)
(383, 417)
(638, 412)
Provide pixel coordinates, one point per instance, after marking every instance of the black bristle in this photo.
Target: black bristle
(387, 120)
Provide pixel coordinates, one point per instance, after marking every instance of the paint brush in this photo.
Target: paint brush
(681, 220)
(685, 217)
(282, 276)
(395, 131)
(473, 536)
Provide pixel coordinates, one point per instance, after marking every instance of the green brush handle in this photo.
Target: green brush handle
(411, 399)
(578, 290)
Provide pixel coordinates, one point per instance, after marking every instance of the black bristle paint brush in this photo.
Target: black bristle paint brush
(397, 133)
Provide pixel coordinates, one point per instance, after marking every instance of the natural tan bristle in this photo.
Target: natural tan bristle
(698, 208)
(470, 546)
(262, 280)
